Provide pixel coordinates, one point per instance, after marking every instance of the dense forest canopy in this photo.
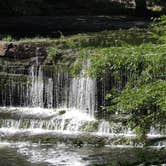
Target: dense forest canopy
(50, 7)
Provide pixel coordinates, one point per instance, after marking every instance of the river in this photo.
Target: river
(28, 154)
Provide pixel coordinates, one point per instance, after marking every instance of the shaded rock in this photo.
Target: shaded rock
(3, 48)
(23, 50)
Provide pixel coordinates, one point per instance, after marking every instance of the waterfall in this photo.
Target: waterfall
(36, 90)
(49, 93)
(72, 101)
(39, 118)
(83, 95)
(114, 128)
(79, 94)
(104, 127)
(37, 99)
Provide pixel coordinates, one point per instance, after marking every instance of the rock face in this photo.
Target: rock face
(16, 59)
(27, 69)
(22, 50)
(3, 49)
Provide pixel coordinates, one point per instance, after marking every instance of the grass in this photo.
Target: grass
(10, 38)
(98, 39)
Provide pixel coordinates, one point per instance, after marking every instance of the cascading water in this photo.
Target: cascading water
(104, 127)
(53, 101)
(36, 90)
(49, 93)
(83, 95)
(70, 102)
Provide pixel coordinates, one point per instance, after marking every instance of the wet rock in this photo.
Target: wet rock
(90, 126)
(3, 48)
(22, 50)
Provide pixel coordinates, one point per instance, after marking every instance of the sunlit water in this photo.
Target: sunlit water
(27, 154)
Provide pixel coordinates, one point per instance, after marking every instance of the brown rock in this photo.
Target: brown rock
(22, 50)
(3, 48)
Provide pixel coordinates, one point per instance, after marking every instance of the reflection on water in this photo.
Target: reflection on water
(26, 154)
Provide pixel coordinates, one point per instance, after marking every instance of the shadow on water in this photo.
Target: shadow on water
(129, 157)
(10, 157)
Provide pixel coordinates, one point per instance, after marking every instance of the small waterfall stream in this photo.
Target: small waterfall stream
(54, 101)
(36, 90)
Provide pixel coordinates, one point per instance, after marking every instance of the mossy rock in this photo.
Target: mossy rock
(61, 112)
(90, 126)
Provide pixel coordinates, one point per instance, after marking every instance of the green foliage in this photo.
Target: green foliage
(146, 105)
(140, 72)
(113, 38)
(159, 28)
(51, 53)
(90, 126)
(79, 64)
(138, 79)
(7, 38)
(146, 60)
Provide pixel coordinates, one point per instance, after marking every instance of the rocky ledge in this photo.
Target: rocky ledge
(23, 50)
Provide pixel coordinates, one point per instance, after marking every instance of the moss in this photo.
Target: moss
(134, 141)
(116, 38)
(78, 142)
(62, 112)
(52, 53)
(46, 140)
(90, 126)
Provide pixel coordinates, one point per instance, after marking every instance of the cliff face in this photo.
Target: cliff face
(22, 50)
(15, 61)
(28, 71)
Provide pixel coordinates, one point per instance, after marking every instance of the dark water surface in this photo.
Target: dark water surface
(27, 154)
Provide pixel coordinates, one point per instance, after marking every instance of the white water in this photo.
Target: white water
(48, 119)
(49, 93)
(34, 121)
(104, 127)
(36, 90)
(82, 95)
(57, 103)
